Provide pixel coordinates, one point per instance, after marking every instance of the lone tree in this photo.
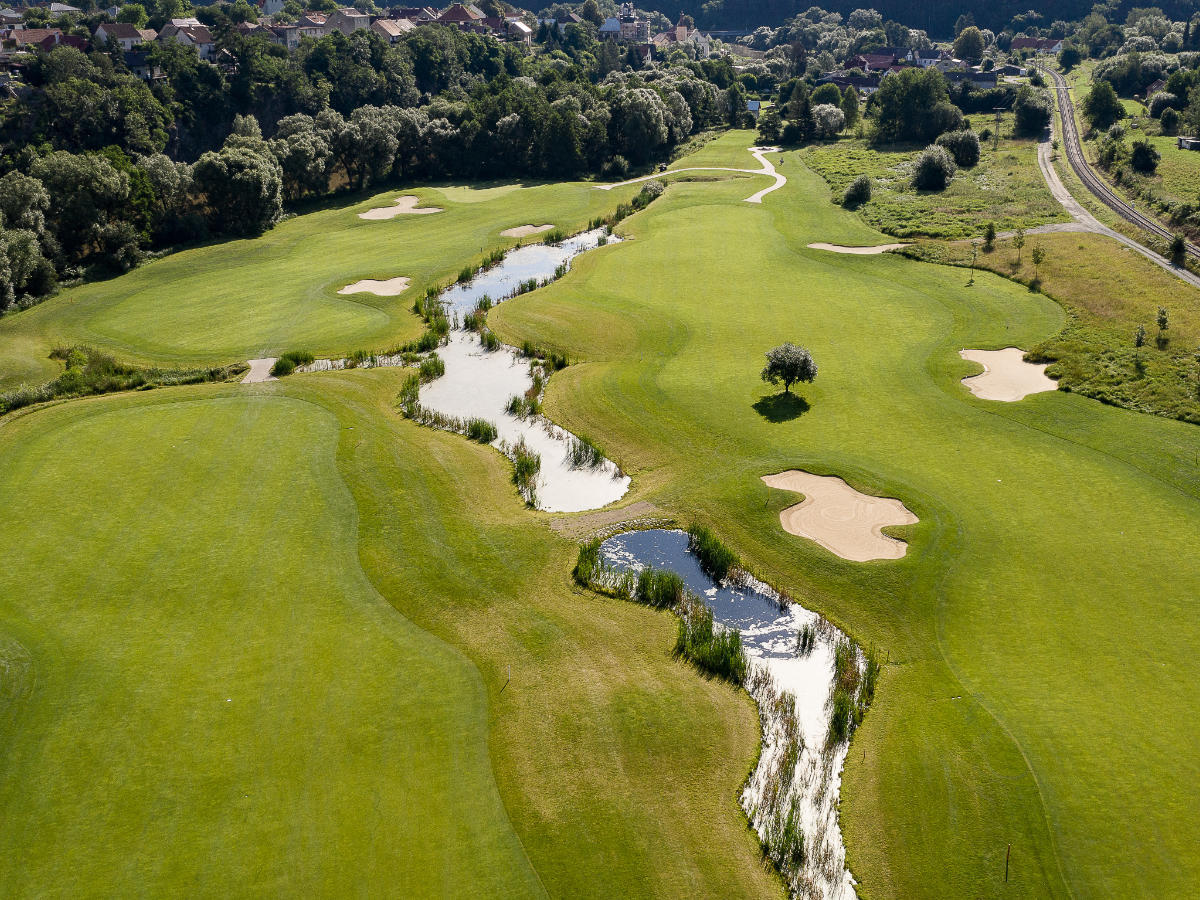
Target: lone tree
(1038, 255)
(1163, 322)
(1019, 242)
(789, 364)
(1139, 341)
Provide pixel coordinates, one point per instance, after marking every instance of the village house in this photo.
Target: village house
(286, 35)
(981, 80)
(461, 14)
(1155, 86)
(418, 15)
(864, 84)
(64, 9)
(347, 20)
(682, 34)
(1038, 45)
(138, 62)
(311, 25)
(270, 7)
(392, 30)
(126, 35)
(197, 36)
(10, 17)
(927, 59)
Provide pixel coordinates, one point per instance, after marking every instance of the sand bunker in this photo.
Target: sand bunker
(1006, 376)
(855, 251)
(389, 288)
(260, 370)
(524, 230)
(841, 519)
(406, 205)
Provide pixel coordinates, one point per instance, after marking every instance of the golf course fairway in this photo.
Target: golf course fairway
(274, 638)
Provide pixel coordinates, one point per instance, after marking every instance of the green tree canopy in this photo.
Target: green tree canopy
(789, 363)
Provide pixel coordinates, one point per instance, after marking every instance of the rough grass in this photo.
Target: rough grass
(1005, 187)
(1108, 290)
(1048, 588)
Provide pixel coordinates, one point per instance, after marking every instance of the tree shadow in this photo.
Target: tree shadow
(781, 407)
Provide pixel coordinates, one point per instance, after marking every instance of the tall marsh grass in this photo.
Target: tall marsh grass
(715, 558)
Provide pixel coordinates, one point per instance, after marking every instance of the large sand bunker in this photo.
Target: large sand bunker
(1006, 376)
(524, 230)
(391, 287)
(406, 205)
(839, 518)
(855, 251)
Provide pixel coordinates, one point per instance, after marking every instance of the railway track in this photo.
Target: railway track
(1086, 174)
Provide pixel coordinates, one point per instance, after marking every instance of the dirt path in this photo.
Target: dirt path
(1092, 224)
(768, 168)
(260, 370)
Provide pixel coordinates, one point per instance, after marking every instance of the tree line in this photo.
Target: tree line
(99, 168)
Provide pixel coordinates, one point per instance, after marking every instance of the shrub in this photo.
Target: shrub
(828, 120)
(481, 430)
(488, 339)
(963, 146)
(299, 358)
(660, 589)
(857, 192)
(933, 169)
(618, 167)
(283, 367)
(1161, 102)
(715, 558)
(1032, 111)
(1144, 157)
(653, 189)
(1169, 121)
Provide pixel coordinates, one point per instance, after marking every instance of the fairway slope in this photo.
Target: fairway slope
(1046, 596)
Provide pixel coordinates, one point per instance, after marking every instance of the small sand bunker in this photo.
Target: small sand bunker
(260, 370)
(405, 206)
(855, 251)
(524, 230)
(1006, 376)
(839, 518)
(389, 288)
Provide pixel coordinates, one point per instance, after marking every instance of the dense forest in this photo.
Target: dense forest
(934, 16)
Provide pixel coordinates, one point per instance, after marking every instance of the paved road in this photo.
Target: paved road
(1092, 181)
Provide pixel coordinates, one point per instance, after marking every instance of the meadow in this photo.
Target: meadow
(1046, 595)
(1005, 187)
(1108, 291)
(328, 649)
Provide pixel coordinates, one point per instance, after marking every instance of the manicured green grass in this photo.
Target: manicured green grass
(218, 701)
(264, 643)
(1005, 187)
(245, 299)
(1041, 631)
